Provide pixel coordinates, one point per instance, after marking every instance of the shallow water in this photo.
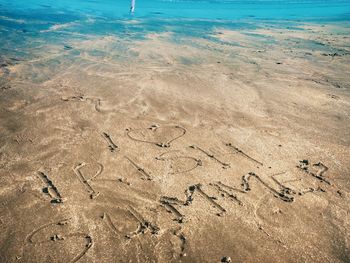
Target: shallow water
(28, 26)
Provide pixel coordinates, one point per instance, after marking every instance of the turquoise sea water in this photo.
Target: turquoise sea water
(30, 24)
(197, 9)
(30, 16)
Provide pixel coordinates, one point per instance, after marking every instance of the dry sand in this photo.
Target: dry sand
(179, 151)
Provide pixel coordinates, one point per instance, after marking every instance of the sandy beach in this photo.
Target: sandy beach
(172, 148)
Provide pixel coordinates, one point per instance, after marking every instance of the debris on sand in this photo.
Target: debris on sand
(226, 259)
(154, 126)
(57, 237)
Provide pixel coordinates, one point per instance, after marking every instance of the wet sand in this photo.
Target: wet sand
(178, 149)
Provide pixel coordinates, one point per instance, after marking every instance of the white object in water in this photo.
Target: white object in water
(132, 6)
